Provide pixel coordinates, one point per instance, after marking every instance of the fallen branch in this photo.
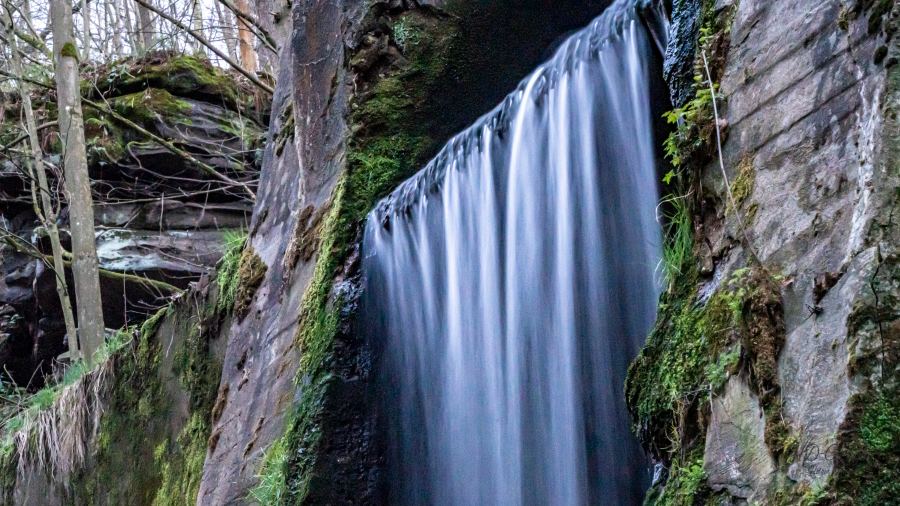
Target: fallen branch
(201, 39)
(134, 278)
(25, 248)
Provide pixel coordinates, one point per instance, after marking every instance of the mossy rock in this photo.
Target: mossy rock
(180, 75)
(229, 138)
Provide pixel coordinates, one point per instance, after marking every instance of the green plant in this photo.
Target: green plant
(693, 129)
(406, 34)
(718, 372)
(685, 484)
(880, 424)
(228, 267)
(270, 489)
(679, 243)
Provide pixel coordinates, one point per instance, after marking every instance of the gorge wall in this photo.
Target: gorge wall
(769, 378)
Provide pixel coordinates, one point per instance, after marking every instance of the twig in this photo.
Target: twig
(737, 211)
(251, 19)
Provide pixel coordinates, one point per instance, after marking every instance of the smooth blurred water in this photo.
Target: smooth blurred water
(509, 284)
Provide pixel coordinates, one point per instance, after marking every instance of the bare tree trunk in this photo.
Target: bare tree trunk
(86, 28)
(245, 38)
(85, 266)
(118, 30)
(197, 24)
(134, 38)
(252, 21)
(227, 30)
(43, 208)
(145, 28)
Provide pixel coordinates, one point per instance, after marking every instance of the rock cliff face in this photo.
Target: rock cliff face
(772, 374)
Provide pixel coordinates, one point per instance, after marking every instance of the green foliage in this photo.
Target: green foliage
(694, 126)
(718, 372)
(685, 486)
(678, 247)
(272, 476)
(406, 34)
(880, 424)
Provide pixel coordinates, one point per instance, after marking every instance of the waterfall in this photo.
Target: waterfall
(511, 281)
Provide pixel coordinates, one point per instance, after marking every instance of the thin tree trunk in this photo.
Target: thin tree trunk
(245, 37)
(44, 208)
(145, 27)
(227, 31)
(85, 266)
(197, 23)
(134, 38)
(116, 23)
(86, 28)
(248, 16)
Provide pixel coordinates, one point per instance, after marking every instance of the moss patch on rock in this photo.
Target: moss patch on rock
(239, 275)
(251, 272)
(181, 75)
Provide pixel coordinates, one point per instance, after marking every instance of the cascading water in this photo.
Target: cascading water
(509, 284)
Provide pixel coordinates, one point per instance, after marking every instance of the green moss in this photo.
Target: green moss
(69, 50)
(181, 75)
(680, 366)
(251, 272)
(151, 105)
(131, 426)
(879, 428)
(240, 273)
(867, 465)
(742, 186)
(136, 427)
(181, 466)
